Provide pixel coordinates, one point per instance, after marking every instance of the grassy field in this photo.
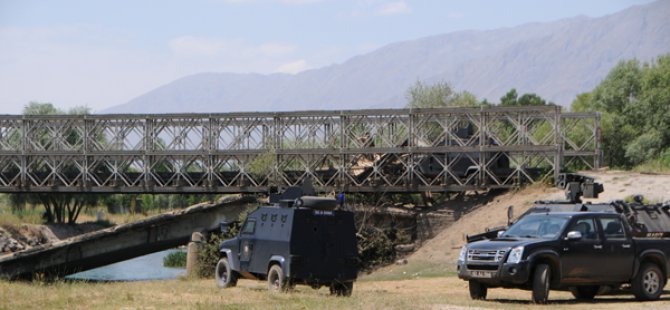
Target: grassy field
(419, 293)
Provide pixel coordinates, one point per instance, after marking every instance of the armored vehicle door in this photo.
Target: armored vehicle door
(247, 238)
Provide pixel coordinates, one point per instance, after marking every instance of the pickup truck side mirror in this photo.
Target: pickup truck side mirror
(500, 233)
(574, 235)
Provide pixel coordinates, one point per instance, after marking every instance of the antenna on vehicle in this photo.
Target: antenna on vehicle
(510, 215)
(577, 186)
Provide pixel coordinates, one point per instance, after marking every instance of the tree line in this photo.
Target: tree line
(633, 99)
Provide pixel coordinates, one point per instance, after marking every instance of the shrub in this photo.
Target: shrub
(208, 255)
(175, 260)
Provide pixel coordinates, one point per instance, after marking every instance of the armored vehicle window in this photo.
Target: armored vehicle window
(587, 227)
(249, 227)
(612, 228)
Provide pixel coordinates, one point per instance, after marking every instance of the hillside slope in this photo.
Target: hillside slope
(556, 60)
(439, 254)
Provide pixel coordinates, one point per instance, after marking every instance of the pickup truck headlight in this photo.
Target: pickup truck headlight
(515, 255)
(463, 254)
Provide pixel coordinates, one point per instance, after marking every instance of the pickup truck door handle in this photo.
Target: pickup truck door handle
(625, 246)
(597, 246)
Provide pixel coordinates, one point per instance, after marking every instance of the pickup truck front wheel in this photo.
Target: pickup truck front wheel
(477, 290)
(648, 283)
(541, 281)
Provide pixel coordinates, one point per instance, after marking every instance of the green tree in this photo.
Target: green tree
(511, 98)
(634, 99)
(59, 208)
(438, 95)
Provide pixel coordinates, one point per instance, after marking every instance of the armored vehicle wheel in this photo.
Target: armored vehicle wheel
(477, 290)
(541, 281)
(276, 280)
(225, 276)
(586, 292)
(341, 288)
(648, 283)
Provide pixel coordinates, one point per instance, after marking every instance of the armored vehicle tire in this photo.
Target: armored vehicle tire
(648, 283)
(541, 281)
(225, 276)
(585, 292)
(341, 288)
(276, 280)
(477, 290)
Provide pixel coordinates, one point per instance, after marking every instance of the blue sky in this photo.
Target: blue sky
(104, 53)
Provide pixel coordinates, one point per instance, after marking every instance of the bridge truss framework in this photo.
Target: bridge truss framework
(385, 150)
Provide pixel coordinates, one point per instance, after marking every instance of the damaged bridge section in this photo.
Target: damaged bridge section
(120, 242)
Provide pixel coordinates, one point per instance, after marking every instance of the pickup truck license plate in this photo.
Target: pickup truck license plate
(481, 274)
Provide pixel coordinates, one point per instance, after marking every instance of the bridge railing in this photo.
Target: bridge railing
(395, 150)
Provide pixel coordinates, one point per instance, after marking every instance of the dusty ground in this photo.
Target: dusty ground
(619, 184)
(439, 254)
(424, 293)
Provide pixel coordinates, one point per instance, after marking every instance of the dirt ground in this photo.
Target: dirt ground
(423, 293)
(439, 254)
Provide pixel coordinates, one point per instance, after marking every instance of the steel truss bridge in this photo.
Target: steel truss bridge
(389, 150)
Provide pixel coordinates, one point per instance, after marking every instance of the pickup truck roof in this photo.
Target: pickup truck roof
(571, 213)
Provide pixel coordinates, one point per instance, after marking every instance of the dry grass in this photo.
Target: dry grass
(9, 218)
(425, 293)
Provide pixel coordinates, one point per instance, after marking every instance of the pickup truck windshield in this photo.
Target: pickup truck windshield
(545, 226)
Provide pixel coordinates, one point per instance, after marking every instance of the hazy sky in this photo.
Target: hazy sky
(104, 53)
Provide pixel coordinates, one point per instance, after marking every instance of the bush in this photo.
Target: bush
(208, 255)
(175, 260)
(645, 147)
(665, 158)
(375, 248)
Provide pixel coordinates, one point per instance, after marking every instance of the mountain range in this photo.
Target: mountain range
(556, 60)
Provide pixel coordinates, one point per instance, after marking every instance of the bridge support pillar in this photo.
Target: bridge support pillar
(192, 254)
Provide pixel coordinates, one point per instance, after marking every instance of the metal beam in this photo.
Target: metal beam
(401, 150)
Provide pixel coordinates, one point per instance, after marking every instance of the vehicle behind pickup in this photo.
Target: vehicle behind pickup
(584, 248)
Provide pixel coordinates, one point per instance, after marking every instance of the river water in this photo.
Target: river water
(147, 267)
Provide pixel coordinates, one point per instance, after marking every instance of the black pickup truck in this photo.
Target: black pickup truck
(576, 251)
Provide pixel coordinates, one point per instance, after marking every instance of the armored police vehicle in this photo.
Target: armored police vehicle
(586, 248)
(297, 239)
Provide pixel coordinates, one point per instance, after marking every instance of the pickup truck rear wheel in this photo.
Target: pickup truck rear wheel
(225, 276)
(586, 292)
(478, 290)
(541, 281)
(648, 283)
